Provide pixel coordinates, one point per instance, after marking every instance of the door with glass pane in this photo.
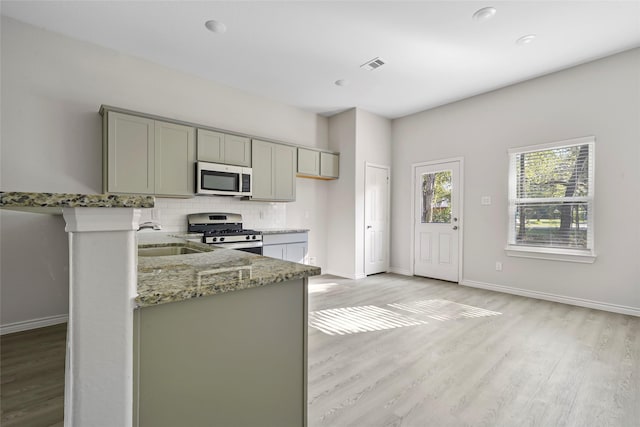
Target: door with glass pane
(437, 221)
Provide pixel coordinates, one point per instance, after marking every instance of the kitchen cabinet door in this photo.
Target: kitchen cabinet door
(295, 252)
(286, 246)
(237, 150)
(329, 165)
(308, 162)
(218, 147)
(285, 172)
(130, 154)
(262, 179)
(175, 156)
(274, 171)
(274, 251)
(210, 146)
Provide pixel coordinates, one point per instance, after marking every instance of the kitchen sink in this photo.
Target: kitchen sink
(168, 250)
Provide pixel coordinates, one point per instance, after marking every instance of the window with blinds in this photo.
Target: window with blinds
(551, 196)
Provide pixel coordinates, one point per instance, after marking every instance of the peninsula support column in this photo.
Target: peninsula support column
(102, 289)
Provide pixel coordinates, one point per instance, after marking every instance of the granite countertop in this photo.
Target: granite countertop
(166, 279)
(282, 230)
(53, 203)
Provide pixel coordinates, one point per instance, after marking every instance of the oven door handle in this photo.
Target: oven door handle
(238, 245)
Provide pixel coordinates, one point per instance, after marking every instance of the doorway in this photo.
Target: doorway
(376, 221)
(437, 220)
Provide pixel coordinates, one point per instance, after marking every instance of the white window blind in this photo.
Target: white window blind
(551, 196)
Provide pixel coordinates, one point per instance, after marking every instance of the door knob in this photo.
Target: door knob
(455, 227)
(369, 226)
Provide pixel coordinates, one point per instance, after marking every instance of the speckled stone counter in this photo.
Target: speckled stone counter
(53, 203)
(282, 230)
(165, 279)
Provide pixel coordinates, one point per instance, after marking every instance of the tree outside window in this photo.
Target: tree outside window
(551, 195)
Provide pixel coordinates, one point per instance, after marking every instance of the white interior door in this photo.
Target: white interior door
(376, 221)
(437, 221)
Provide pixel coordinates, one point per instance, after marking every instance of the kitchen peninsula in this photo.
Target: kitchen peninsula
(218, 336)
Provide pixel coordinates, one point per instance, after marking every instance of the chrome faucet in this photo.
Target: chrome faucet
(150, 224)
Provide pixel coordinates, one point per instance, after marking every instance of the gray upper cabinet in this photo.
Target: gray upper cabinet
(210, 146)
(317, 164)
(274, 171)
(175, 156)
(218, 147)
(237, 150)
(146, 156)
(129, 157)
(308, 162)
(329, 165)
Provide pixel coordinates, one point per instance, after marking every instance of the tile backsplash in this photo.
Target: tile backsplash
(172, 213)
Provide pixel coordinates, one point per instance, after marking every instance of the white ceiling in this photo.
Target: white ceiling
(294, 51)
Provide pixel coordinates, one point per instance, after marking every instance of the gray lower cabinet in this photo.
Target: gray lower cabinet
(145, 156)
(218, 147)
(286, 246)
(274, 171)
(233, 359)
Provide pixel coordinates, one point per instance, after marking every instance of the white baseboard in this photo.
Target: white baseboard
(400, 270)
(614, 308)
(26, 325)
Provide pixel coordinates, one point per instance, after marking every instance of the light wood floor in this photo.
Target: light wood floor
(472, 358)
(32, 377)
(536, 364)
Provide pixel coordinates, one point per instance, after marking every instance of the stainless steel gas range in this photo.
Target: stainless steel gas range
(224, 230)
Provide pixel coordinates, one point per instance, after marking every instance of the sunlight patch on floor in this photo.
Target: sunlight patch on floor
(352, 320)
(440, 309)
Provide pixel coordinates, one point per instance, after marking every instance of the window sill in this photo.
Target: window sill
(554, 254)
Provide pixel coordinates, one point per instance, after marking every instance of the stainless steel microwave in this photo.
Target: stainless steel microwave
(222, 180)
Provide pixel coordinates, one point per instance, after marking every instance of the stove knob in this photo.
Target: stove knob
(214, 239)
(254, 237)
(222, 239)
(248, 237)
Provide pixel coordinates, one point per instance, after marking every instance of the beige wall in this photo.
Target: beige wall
(601, 98)
(52, 88)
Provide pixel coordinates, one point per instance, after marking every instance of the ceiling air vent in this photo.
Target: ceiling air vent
(373, 64)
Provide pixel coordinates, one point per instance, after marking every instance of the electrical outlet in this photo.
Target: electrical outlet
(485, 200)
(261, 214)
(498, 266)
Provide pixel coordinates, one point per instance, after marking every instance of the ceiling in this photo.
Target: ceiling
(293, 52)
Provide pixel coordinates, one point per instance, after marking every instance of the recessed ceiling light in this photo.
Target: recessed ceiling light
(484, 14)
(525, 39)
(341, 82)
(215, 26)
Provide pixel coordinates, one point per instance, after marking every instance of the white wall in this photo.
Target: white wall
(52, 88)
(373, 145)
(601, 98)
(341, 213)
(360, 137)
